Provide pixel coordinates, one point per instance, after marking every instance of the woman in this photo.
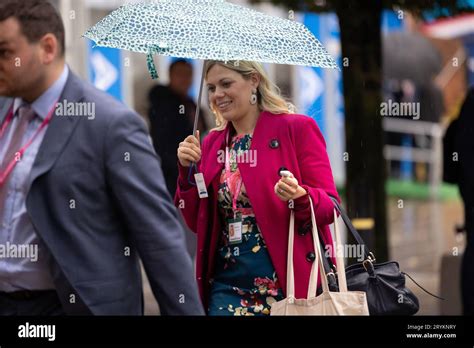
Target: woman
(256, 137)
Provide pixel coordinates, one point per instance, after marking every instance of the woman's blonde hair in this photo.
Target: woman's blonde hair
(269, 97)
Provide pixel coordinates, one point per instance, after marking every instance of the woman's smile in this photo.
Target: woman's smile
(224, 105)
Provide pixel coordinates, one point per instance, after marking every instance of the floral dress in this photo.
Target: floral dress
(245, 282)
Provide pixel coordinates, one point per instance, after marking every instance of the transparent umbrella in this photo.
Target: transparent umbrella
(208, 30)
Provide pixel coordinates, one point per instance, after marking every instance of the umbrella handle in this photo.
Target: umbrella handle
(198, 107)
(198, 104)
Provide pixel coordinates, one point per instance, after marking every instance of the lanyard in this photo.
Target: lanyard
(8, 119)
(227, 169)
(4, 175)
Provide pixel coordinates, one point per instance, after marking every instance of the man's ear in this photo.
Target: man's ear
(49, 46)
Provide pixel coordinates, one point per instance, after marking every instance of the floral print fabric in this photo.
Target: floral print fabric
(245, 282)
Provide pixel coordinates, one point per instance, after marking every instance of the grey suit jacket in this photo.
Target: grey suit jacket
(99, 202)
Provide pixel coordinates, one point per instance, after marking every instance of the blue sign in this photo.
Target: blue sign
(105, 70)
(319, 92)
(392, 21)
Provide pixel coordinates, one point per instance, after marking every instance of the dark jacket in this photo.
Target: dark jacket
(459, 141)
(171, 121)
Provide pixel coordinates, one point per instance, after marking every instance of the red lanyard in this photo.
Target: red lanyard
(4, 175)
(227, 168)
(8, 119)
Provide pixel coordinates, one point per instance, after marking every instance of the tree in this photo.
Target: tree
(359, 22)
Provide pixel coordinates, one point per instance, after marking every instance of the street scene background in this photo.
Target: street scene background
(422, 212)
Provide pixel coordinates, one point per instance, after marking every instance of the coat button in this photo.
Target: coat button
(274, 143)
(302, 230)
(310, 257)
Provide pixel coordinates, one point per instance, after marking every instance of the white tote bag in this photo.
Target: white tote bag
(343, 302)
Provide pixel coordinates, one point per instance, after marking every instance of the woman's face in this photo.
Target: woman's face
(230, 93)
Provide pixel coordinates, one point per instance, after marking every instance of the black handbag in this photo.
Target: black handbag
(383, 283)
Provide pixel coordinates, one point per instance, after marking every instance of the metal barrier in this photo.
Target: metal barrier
(432, 155)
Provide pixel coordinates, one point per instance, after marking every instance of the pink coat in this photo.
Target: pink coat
(302, 150)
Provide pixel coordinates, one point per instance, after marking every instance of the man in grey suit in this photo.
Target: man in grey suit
(82, 195)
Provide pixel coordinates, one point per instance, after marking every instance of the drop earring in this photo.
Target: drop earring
(253, 98)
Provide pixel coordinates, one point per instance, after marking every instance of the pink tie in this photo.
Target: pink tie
(25, 114)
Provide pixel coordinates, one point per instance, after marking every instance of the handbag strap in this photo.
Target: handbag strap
(328, 266)
(290, 275)
(290, 271)
(313, 278)
(350, 226)
(339, 260)
(318, 262)
(327, 263)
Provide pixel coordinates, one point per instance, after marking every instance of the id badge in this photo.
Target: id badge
(201, 185)
(235, 231)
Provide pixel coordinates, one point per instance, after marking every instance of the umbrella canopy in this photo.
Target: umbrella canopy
(209, 30)
(410, 56)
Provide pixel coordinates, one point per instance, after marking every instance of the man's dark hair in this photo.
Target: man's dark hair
(37, 18)
(177, 62)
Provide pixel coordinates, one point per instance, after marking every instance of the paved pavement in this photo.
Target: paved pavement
(421, 233)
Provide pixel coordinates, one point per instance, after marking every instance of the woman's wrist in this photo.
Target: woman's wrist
(300, 192)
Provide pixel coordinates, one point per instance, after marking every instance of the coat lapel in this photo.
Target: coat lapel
(214, 164)
(259, 179)
(261, 151)
(59, 130)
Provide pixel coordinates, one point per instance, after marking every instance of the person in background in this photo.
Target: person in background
(171, 117)
(458, 168)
